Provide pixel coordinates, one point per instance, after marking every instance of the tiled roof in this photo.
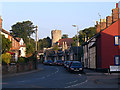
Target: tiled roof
(69, 41)
(6, 32)
(18, 39)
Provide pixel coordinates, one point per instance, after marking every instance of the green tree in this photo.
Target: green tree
(44, 43)
(6, 44)
(86, 33)
(23, 30)
(64, 36)
(30, 46)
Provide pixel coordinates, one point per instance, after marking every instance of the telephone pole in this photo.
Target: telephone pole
(36, 39)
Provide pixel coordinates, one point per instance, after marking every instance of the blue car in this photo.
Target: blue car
(75, 66)
(48, 62)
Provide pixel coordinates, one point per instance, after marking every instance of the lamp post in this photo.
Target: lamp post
(36, 39)
(77, 38)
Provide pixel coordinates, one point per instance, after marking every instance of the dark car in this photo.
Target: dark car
(59, 62)
(48, 62)
(45, 62)
(66, 64)
(75, 66)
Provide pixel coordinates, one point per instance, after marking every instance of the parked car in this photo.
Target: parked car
(59, 62)
(66, 64)
(45, 62)
(75, 66)
(48, 62)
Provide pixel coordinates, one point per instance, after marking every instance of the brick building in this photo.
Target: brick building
(105, 45)
(18, 45)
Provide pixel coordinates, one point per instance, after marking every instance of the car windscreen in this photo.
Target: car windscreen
(60, 61)
(76, 64)
(50, 61)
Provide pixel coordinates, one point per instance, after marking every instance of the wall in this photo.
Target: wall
(92, 54)
(23, 49)
(16, 68)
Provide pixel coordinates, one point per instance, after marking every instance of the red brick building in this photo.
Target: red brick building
(103, 49)
(108, 41)
(18, 45)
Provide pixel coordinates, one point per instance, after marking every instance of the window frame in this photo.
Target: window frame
(115, 40)
(115, 60)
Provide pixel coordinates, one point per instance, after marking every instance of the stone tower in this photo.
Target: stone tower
(0, 22)
(56, 35)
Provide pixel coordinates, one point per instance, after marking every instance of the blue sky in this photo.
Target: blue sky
(55, 15)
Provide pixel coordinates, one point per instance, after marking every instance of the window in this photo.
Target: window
(117, 60)
(117, 40)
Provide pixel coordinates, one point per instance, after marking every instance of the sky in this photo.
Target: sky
(55, 15)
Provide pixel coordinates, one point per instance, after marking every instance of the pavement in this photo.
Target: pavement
(21, 73)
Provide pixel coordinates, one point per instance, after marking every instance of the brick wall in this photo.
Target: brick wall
(16, 68)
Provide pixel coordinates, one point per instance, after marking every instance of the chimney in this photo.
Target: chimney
(115, 13)
(98, 27)
(1, 22)
(116, 5)
(108, 21)
(103, 24)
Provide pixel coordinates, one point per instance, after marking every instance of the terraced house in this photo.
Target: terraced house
(102, 51)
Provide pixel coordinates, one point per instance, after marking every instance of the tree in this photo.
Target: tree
(23, 30)
(44, 43)
(86, 33)
(6, 44)
(64, 36)
(30, 46)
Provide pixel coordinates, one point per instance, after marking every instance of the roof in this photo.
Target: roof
(6, 32)
(69, 41)
(18, 39)
(11, 52)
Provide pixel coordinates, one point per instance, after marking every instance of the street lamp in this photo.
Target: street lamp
(77, 38)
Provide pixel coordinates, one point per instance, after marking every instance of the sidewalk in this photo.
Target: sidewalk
(21, 73)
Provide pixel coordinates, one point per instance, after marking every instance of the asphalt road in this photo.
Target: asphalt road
(58, 77)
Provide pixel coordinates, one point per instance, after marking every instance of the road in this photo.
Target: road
(58, 77)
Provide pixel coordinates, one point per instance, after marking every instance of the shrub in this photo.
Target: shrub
(6, 57)
(21, 60)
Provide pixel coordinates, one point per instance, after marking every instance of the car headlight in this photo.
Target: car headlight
(72, 68)
(80, 68)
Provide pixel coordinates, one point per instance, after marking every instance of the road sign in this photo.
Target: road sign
(114, 68)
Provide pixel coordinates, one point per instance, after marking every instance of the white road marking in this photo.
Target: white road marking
(72, 82)
(77, 84)
(79, 74)
(21, 81)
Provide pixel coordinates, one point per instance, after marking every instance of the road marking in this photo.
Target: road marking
(72, 82)
(77, 84)
(21, 81)
(79, 74)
